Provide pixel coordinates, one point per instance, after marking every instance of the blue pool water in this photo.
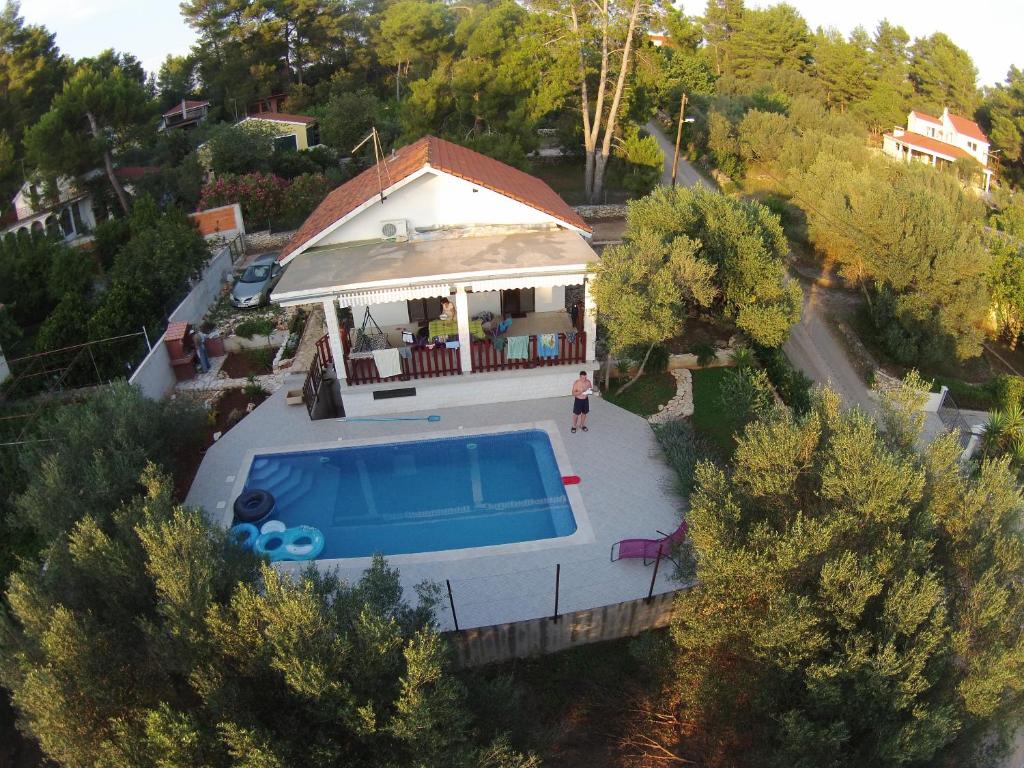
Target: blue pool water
(421, 496)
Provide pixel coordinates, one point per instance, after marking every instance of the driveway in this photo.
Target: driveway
(814, 349)
(687, 175)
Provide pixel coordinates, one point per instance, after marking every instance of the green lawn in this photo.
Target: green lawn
(644, 397)
(709, 416)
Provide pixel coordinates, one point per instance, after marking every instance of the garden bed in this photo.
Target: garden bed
(249, 362)
(228, 409)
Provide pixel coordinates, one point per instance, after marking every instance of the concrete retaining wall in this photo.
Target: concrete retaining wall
(154, 377)
(517, 640)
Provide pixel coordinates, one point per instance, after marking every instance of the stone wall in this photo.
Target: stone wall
(612, 211)
(267, 240)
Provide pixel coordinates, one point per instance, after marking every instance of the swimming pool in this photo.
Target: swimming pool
(422, 495)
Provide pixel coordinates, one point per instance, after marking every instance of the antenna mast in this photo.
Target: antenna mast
(378, 155)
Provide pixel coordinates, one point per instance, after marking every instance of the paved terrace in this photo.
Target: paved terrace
(627, 491)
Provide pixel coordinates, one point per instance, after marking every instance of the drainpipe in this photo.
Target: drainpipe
(5, 371)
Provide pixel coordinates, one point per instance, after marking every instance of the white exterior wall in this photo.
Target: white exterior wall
(485, 301)
(549, 299)
(391, 313)
(945, 131)
(436, 200)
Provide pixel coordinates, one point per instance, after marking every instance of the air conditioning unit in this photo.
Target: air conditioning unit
(396, 230)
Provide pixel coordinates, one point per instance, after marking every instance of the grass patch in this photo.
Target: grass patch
(644, 397)
(709, 416)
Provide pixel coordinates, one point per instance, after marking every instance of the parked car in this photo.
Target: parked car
(253, 288)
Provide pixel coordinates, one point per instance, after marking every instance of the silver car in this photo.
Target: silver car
(253, 288)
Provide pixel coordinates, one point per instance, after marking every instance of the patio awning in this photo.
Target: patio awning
(536, 281)
(447, 259)
(384, 295)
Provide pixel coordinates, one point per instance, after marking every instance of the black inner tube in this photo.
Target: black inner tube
(252, 506)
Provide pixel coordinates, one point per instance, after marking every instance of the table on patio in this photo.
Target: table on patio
(446, 328)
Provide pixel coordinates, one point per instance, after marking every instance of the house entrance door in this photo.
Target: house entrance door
(517, 302)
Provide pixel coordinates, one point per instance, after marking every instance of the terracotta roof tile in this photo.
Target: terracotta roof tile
(967, 127)
(176, 109)
(930, 145)
(926, 116)
(442, 156)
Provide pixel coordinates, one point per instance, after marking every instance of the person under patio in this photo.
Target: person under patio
(582, 389)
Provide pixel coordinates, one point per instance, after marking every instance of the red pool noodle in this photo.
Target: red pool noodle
(570, 480)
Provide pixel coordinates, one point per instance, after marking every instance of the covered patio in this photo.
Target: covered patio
(476, 303)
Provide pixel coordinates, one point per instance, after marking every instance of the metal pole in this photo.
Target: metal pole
(558, 574)
(654, 576)
(451, 602)
(679, 136)
(146, 334)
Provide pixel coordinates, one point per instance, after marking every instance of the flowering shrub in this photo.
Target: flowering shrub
(261, 195)
(303, 195)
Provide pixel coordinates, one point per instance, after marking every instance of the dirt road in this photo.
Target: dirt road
(687, 175)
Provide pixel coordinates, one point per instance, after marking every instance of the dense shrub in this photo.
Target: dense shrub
(746, 396)
(300, 198)
(683, 449)
(792, 385)
(255, 327)
(261, 196)
(1007, 391)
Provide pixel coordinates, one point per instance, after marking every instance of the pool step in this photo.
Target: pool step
(284, 487)
(297, 492)
(269, 477)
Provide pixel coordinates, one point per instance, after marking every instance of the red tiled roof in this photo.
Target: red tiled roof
(926, 116)
(134, 172)
(281, 117)
(176, 109)
(930, 145)
(443, 156)
(967, 127)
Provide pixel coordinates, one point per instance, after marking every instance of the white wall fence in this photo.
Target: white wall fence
(154, 377)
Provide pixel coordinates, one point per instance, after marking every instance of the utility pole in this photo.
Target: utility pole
(679, 136)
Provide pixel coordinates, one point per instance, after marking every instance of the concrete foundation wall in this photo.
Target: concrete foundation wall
(467, 389)
(502, 642)
(154, 377)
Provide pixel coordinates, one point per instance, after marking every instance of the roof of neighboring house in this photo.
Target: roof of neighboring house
(445, 157)
(134, 172)
(281, 117)
(926, 116)
(176, 109)
(931, 145)
(967, 127)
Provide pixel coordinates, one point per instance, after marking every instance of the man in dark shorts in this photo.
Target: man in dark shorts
(582, 388)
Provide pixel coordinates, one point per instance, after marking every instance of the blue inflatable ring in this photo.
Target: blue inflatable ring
(252, 506)
(302, 542)
(244, 535)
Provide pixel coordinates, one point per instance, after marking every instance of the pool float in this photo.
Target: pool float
(254, 505)
(303, 542)
(272, 526)
(244, 535)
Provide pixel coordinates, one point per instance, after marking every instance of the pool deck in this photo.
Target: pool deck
(626, 488)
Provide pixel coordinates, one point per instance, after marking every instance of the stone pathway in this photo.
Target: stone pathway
(681, 404)
(215, 380)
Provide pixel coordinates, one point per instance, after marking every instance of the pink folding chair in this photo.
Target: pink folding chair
(648, 549)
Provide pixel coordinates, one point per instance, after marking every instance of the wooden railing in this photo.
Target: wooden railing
(311, 386)
(421, 363)
(486, 358)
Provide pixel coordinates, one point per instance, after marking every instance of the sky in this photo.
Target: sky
(151, 29)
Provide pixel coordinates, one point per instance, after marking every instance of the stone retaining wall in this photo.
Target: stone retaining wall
(612, 211)
(266, 240)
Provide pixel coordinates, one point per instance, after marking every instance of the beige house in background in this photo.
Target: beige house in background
(292, 131)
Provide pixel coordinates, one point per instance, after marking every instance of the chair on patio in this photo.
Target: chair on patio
(649, 549)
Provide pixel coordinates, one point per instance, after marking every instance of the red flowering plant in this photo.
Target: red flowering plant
(261, 195)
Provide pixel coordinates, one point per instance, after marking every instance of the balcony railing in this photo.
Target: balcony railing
(423, 363)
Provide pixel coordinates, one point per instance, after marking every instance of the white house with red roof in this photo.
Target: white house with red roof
(466, 281)
(939, 141)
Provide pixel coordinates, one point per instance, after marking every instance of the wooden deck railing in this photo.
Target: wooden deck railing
(421, 363)
(320, 361)
(486, 358)
(424, 363)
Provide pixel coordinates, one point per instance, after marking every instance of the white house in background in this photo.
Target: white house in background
(66, 210)
(186, 115)
(939, 141)
(432, 228)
